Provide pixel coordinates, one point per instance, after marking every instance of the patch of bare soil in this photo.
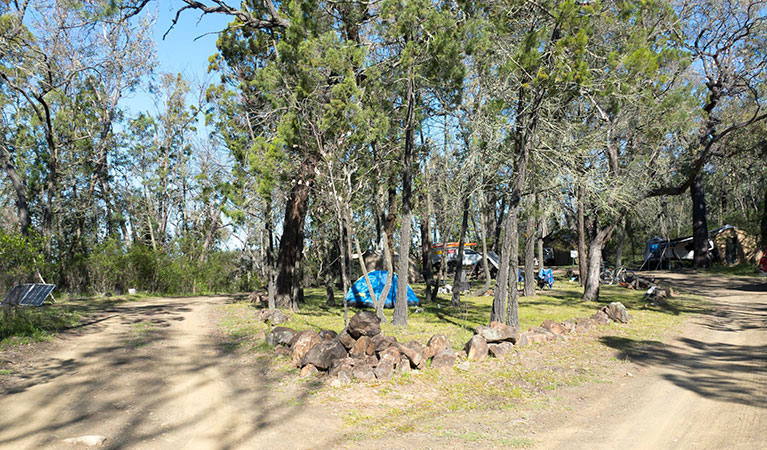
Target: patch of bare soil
(705, 388)
(152, 375)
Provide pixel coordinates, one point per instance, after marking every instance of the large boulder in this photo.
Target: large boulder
(364, 323)
(617, 312)
(534, 335)
(436, 344)
(342, 365)
(476, 348)
(359, 349)
(280, 336)
(323, 354)
(301, 344)
(500, 349)
(443, 358)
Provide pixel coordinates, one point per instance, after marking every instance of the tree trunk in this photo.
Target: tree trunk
(485, 265)
(20, 189)
(530, 255)
(699, 225)
(426, 249)
(619, 249)
(292, 235)
(344, 278)
(499, 224)
(456, 299)
(512, 312)
(764, 215)
(400, 305)
(582, 257)
(270, 272)
(591, 291)
(504, 277)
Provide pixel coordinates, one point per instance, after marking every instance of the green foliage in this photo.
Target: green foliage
(20, 259)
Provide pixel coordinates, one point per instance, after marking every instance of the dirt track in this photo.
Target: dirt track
(705, 389)
(152, 376)
(155, 376)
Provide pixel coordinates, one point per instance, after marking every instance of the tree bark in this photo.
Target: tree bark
(764, 215)
(512, 312)
(296, 208)
(591, 290)
(530, 255)
(400, 305)
(426, 249)
(485, 265)
(504, 277)
(619, 249)
(20, 189)
(699, 224)
(582, 257)
(456, 299)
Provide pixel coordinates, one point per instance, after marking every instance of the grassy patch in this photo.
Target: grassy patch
(740, 270)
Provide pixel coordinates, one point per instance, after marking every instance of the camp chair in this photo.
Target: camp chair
(546, 278)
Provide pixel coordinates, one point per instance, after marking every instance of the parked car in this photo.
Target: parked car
(470, 257)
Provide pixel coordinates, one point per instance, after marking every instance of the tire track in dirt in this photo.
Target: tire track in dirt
(151, 375)
(704, 389)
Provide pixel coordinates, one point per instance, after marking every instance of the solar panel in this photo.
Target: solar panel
(29, 294)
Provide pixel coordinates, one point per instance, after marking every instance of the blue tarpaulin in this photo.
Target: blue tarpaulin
(360, 296)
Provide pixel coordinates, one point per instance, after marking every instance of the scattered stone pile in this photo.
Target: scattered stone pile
(359, 352)
(362, 352)
(498, 339)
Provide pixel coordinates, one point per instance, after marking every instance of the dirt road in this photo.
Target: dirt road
(705, 389)
(152, 375)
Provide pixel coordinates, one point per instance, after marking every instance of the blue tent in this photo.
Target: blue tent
(359, 295)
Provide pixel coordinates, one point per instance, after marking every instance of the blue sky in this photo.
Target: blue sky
(185, 49)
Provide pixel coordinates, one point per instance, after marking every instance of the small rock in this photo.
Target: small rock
(359, 349)
(364, 323)
(444, 358)
(617, 312)
(363, 372)
(476, 349)
(328, 335)
(390, 354)
(278, 317)
(91, 440)
(340, 365)
(436, 344)
(323, 354)
(265, 314)
(382, 342)
(280, 336)
(346, 339)
(601, 318)
(466, 365)
(501, 349)
(554, 327)
(412, 352)
(629, 374)
(371, 360)
(301, 344)
(384, 370)
(281, 350)
(308, 370)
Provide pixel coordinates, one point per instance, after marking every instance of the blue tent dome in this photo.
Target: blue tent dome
(360, 296)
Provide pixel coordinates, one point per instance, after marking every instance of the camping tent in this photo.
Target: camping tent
(728, 245)
(359, 294)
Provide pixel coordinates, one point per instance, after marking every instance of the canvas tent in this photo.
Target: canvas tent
(728, 245)
(359, 294)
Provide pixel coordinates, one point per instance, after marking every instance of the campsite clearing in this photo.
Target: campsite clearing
(159, 373)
